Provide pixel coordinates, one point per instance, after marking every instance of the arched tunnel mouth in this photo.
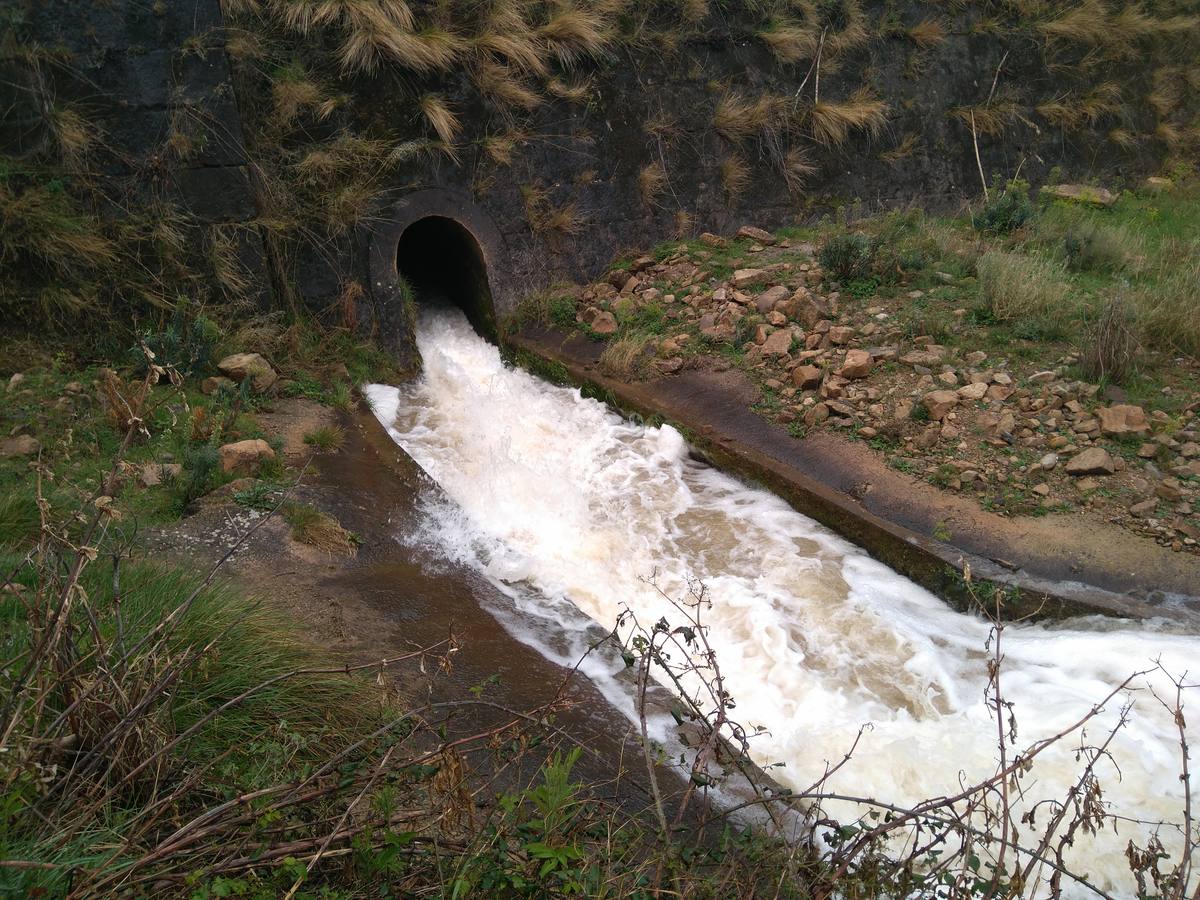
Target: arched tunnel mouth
(443, 264)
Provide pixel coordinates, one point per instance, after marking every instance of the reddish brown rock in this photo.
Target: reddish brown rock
(1122, 419)
(743, 277)
(751, 233)
(939, 403)
(806, 378)
(604, 323)
(244, 457)
(254, 366)
(856, 365)
(1092, 461)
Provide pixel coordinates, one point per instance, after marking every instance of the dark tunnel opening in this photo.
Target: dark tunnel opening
(443, 263)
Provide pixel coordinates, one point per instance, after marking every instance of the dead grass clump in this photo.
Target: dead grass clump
(432, 50)
(927, 34)
(576, 34)
(737, 118)
(652, 180)
(348, 206)
(1165, 309)
(313, 527)
(735, 175)
(905, 148)
(500, 148)
(508, 38)
(1091, 246)
(441, 117)
(685, 225)
(798, 167)
(1071, 112)
(503, 86)
(41, 228)
(570, 91)
(627, 358)
(788, 41)
(546, 217)
(831, 124)
(294, 95)
(1017, 287)
(1086, 23)
(1111, 350)
(992, 119)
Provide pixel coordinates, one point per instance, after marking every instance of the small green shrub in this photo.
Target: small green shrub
(1008, 211)
(562, 311)
(186, 346)
(201, 466)
(848, 256)
(262, 496)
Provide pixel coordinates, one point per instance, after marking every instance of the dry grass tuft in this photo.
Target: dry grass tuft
(652, 180)
(903, 150)
(433, 50)
(1118, 33)
(441, 117)
(347, 207)
(685, 225)
(831, 124)
(991, 119)
(1018, 287)
(292, 96)
(1165, 310)
(927, 34)
(1111, 351)
(232, 277)
(798, 167)
(545, 217)
(693, 11)
(571, 91)
(735, 175)
(1071, 112)
(234, 8)
(74, 137)
(508, 38)
(789, 42)
(1123, 138)
(737, 118)
(500, 148)
(575, 34)
(627, 358)
(313, 527)
(503, 86)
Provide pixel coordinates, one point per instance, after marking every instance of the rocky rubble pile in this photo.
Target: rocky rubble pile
(967, 420)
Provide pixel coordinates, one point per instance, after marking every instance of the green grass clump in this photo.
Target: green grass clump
(1016, 288)
(327, 438)
(1007, 212)
(848, 257)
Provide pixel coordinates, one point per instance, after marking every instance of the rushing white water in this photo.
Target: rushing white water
(556, 498)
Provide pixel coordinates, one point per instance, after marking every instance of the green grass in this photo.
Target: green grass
(327, 438)
(272, 736)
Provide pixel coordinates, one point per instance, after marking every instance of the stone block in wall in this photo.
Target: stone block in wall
(216, 194)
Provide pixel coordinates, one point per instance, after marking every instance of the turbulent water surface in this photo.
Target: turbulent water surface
(571, 508)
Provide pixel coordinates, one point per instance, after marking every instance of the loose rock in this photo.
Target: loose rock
(254, 366)
(1092, 461)
(244, 457)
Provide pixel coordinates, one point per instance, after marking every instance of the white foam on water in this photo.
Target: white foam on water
(572, 509)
